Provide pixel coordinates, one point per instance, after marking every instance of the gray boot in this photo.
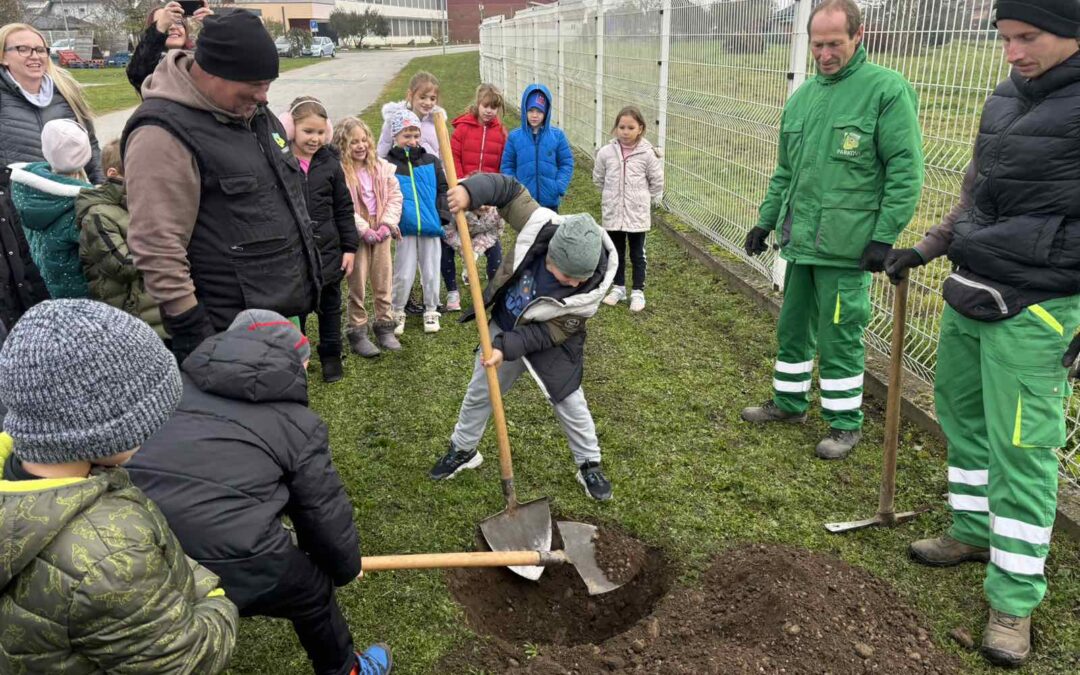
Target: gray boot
(384, 333)
(944, 551)
(361, 344)
(837, 444)
(1007, 640)
(769, 412)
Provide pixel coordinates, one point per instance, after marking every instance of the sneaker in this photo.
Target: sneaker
(944, 551)
(770, 412)
(1007, 640)
(837, 444)
(465, 277)
(615, 295)
(399, 323)
(376, 660)
(453, 301)
(431, 322)
(637, 301)
(454, 461)
(414, 308)
(592, 478)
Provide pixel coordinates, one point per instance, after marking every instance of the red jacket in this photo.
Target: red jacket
(476, 148)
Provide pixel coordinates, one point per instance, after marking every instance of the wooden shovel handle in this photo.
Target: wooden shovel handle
(887, 495)
(426, 561)
(506, 466)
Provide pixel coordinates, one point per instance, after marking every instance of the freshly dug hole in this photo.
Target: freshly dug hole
(558, 609)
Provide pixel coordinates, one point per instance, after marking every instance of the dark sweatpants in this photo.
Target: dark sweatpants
(637, 256)
(305, 596)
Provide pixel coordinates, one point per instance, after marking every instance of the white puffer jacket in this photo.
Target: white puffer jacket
(627, 187)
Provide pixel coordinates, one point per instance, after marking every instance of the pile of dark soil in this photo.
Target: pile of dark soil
(770, 609)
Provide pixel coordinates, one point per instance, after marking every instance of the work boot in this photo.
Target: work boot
(770, 412)
(944, 551)
(361, 344)
(331, 367)
(376, 660)
(837, 444)
(384, 333)
(454, 462)
(592, 478)
(1007, 640)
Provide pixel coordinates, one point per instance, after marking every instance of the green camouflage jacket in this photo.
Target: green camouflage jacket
(95, 582)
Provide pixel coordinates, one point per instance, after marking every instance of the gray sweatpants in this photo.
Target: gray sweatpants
(572, 412)
(429, 252)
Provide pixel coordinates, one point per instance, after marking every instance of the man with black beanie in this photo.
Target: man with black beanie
(1009, 331)
(218, 221)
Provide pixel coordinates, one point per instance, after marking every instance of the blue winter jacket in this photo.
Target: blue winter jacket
(542, 162)
(424, 209)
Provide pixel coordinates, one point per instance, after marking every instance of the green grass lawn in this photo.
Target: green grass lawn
(665, 387)
(108, 89)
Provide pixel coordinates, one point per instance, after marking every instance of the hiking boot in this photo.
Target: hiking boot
(838, 443)
(431, 322)
(376, 660)
(454, 461)
(1007, 640)
(592, 478)
(770, 412)
(399, 323)
(944, 551)
(615, 295)
(637, 301)
(361, 344)
(331, 368)
(453, 301)
(384, 333)
(414, 308)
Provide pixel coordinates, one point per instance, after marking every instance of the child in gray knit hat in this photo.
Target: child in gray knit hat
(539, 300)
(94, 579)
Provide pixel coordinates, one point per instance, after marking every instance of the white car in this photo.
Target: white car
(320, 46)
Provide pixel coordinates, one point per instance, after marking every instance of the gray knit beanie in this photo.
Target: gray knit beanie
(83, 380)
(272, 323)
(575, 247)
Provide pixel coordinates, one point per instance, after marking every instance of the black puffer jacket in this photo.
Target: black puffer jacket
(22, 122)
(146, 57)
(331, 209)
(241, 451)
(21, 285)
(1020, 242)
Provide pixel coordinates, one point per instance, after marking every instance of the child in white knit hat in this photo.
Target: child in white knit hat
(44, 195)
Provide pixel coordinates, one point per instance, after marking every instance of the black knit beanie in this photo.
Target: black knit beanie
(1060, 17)
(234, 45)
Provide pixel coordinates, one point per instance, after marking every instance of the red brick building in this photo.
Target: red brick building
(465, 16)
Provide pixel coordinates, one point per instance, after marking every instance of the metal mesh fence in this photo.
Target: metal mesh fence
(712, 77)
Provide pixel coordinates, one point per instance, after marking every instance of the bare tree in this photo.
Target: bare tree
(11, 11)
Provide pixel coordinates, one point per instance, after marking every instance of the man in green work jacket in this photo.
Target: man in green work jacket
(848, 177)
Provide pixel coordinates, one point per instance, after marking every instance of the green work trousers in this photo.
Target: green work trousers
(1000, 393)
(825, 309)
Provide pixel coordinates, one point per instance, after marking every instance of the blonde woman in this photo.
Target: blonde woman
(33, 92)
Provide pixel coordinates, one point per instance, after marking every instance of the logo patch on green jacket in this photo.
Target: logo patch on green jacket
(279, 140)
(849, 144)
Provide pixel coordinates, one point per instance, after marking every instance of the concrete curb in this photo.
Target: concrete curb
(917, 402)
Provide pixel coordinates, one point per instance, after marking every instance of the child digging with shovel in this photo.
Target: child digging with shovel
(539, 299)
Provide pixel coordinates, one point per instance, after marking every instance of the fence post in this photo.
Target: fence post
(662, 95)
(505, 68)
(800, 52)
(560, 83)
(598, 136)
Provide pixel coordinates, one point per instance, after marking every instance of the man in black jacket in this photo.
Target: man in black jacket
(242, 450)
(1009, 332)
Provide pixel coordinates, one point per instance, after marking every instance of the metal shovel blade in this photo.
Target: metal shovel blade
(524, 527)
(877, 521)
(579, 543)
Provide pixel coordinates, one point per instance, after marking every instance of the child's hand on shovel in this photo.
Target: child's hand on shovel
(495, 361)
(458, 199)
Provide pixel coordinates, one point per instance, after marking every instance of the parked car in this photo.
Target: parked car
(320, 46)
(285, 47)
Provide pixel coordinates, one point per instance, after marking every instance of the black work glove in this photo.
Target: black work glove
(755, 241)
(1070, 360)
(873, 257)
(899, 261)
(188, 330)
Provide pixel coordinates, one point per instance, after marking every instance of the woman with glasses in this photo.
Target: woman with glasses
(33, 92)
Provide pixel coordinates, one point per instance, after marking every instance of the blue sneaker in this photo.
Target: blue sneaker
(375, 660)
